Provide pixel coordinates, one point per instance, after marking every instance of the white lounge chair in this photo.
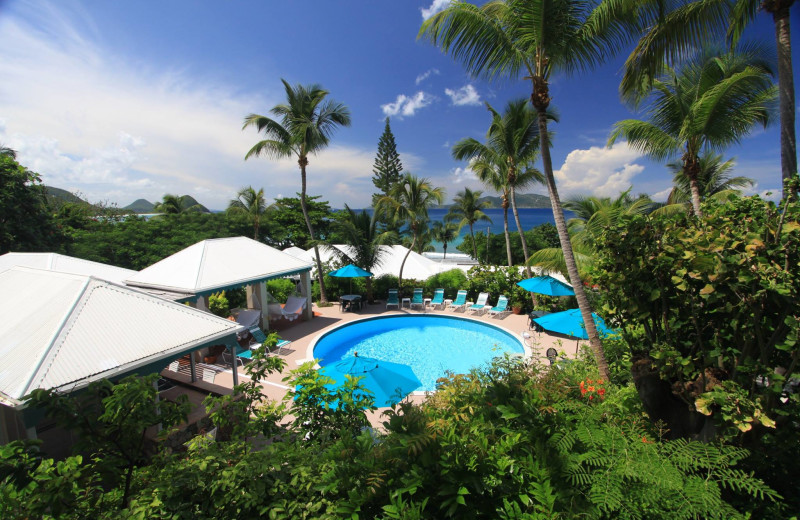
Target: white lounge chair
(480, 305)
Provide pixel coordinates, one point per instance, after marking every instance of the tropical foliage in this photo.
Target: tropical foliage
(250, 202)
(387, 170)
(304, 127)
(713, 101)
(713, 178)
(467, 210)
(505, 161)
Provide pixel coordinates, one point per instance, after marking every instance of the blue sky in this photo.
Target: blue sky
(127, 100)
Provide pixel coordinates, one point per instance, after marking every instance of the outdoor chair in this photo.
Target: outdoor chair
(228, 358)
(460, 301)
(480, 305)
(392, 299)
(416, 299)
(438, 298)
(551, 354)
(501, 307)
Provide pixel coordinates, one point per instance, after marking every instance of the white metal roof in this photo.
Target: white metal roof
(417, 266)
(217, 264)
(65, 264)
(63, 331)
(300, 253)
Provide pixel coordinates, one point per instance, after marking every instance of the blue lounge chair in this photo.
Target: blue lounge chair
(480, 305)
(438, 298)
(258, 338)
(500, 308)
(460, 301)
(392, 299)
(416, 299)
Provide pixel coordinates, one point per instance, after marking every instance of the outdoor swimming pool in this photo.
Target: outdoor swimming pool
(430, 344)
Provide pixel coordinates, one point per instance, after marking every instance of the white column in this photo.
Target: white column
(305, 289)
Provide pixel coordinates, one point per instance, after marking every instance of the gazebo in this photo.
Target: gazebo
(210, 266)
(63, 331)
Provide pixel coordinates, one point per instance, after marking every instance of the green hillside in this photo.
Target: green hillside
(189, 202)
(141, 206)
(63, 195)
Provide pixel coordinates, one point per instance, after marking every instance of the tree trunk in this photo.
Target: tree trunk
(323, 297)
(474, 244)
(505, 230)
(521, 232)
(540, 100)
(786, 88)
(370, 297)
(691, 169)
(444, 245)
(403, 264)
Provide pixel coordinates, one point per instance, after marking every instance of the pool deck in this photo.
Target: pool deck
(302, 334)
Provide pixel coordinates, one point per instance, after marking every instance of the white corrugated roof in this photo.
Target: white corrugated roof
(65, 264)
(217, 264)
(299, 253)
(64, 331)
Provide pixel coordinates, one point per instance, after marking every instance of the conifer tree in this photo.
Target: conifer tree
(387, 169)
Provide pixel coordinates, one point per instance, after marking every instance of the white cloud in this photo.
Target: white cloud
(435, 7)
(101, 123)
(662, 195)
(425, 75)
(599, 171)
(405, 106)
(461, 175)
(465, 96)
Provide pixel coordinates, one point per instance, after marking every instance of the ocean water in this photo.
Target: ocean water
(425, 343)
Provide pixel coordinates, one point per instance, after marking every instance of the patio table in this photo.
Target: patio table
(351, 300)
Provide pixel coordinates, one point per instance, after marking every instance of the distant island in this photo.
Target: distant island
(139, 206)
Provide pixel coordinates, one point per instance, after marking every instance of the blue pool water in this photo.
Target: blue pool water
(430, 344)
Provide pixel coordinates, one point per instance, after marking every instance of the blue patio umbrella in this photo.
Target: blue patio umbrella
(571, 323)
(546, 285)
(388, 382)
(350, 271)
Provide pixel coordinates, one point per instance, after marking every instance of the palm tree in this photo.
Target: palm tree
(5, 151)
(424, 242)
(306, 123)
(170, 204)
(250, 202)
(408, 202)
(713, 178)
(444, 232)
(710, 103)
(505, 161)
(671, 35)
(466, 211)
(535, 38)
(592, 216)
(360, 231)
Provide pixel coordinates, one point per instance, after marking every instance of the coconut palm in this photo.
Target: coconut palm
(592, 216)
(360, 231)
(408, 203)
(505, 160)
(444, 232)
(304, 127)
(249, 202)
(5, 151)
(670, 35)
(535, 38)
(174, 204)
(713, 179)
(713, 101)
(467, 210)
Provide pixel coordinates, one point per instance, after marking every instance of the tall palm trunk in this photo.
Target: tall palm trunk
(255, 228)
(521, 231)
(780, 15)
(303, 161)
(474, 244)
(540, 99)
(403, 263)
(691, 169)
(505, 230)
(444, 245)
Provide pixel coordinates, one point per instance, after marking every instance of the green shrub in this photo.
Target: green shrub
(451, 281)
(382, 284)
(218, 305)
(281, 289)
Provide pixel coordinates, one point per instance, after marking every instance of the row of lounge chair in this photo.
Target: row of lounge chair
(460, 302)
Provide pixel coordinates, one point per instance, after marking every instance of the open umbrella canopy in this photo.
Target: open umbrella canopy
(388, 382)
(571, 323)
(350, 271)
(546, 285)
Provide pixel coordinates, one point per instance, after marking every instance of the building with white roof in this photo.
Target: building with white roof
(63, 331)
(65, 264)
